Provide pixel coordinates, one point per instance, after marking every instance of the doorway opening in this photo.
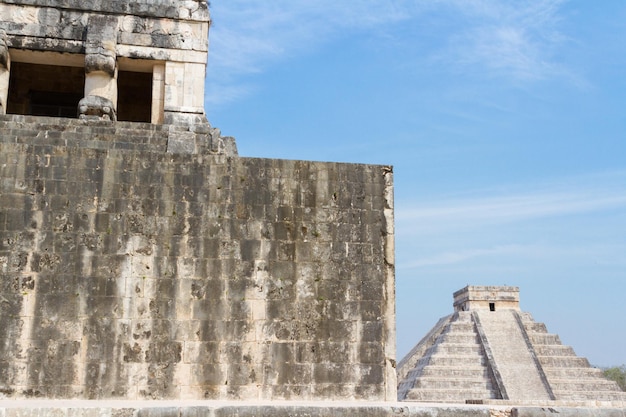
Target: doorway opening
(134, 96)
(45, 90)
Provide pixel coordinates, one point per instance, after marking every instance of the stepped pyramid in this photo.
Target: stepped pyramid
(488, 351)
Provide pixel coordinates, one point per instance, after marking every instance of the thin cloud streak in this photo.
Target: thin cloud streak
(585, 194)
(514, 208)
(504, 226)
(603, 255)
(509, 38)
(248, 36)
(449, 258)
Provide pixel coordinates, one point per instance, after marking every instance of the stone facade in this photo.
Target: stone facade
(167, 40)
(131, 272)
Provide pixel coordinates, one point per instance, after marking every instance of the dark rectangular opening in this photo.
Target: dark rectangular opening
(45, 90)
(134, 96)
(492, 306)
(54, 104)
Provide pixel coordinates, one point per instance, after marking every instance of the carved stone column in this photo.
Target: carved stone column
(5, 67)
(100, 101)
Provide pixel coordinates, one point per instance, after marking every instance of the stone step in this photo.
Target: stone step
(455, 372)
(449, 395)
(452, 361)
(563, 361)
(464, 317)
(511, 356)
(458, 349)
(534, 327)
(60, 123)
(587, 395)
(554, 350)
(544, 339)
(596, 384)
(413, 375)
(572, 372)
(405, 387)
(462, 338)
(465, 384)
(460, 327)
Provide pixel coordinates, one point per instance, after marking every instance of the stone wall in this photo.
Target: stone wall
(130, 272)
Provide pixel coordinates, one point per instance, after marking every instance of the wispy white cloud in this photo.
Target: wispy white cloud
(515, 208)
(454, 257)
(601, 255)
(508, 225)
(513, 38)
(249, 35)
(569, 196)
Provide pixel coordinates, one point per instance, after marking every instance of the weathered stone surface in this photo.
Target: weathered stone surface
(100, 46)
(96, 108)
(130, 272)
(293, 409)
(488, 351)
(172, 9)
(166, 39)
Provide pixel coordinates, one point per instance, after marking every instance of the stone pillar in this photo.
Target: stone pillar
(5, 67)
(100, 100)
(158, 93)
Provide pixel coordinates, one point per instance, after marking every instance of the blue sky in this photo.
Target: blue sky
(505, 122)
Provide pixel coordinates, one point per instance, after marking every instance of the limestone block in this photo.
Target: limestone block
(100, 46)
(181, 142)
(174, 84)
(193, 94)
(158, 93)
(24, 15)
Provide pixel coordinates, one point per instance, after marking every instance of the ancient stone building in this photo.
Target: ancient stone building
(141, 258)
(490, 351)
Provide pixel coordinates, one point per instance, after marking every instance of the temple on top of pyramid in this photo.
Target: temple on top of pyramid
(489, 351)
(478, 298)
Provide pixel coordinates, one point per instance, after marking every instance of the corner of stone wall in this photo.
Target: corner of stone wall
(391, 378)
(199, 138)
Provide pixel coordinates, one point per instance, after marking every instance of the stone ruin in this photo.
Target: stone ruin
(147, 269)
(138, 61)
(488, 351)
(141, 258)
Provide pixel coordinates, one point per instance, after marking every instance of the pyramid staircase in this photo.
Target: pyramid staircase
(485, 354)
(571, 377)
(453, 367)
